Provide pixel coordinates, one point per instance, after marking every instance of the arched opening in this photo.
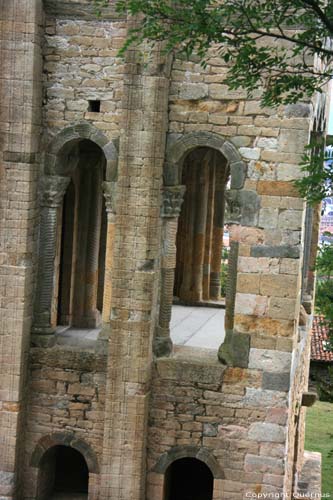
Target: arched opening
(202, 249)
(188, 479)
(63, 474)
(82, 231)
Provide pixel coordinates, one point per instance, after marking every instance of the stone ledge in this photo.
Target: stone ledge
(83, 9)
(58, 357)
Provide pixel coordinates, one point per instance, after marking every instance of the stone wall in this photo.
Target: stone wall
(66, 403)
(200, 403)
(80, 65)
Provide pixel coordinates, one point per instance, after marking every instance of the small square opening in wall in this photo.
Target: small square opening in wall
(94, 106)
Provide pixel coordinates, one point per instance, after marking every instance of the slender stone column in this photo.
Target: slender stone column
(52, 192)
(109, 191)
(173, 197)
(91, 315)
(186, 240)
(209, 234)
(217, 244)
(200, 229)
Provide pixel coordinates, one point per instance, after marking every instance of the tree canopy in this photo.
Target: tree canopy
(269, 44)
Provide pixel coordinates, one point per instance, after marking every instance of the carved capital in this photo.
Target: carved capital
(110, 195)
(52, 190)
(233, 207)
(172, 200)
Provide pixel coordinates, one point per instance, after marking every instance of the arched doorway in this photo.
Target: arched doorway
(188, 479)
(63, 475)
(205, 174)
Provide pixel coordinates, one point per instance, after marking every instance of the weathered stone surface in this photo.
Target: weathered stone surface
(267, 432)
(285, 251)
(269, 360)
(276, 381)
(264, 464)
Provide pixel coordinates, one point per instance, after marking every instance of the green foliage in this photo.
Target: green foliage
(268, 44)
(319, 422)
(325, 385)
(317, 183)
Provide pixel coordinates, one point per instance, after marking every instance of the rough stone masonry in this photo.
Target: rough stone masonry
(81, 127)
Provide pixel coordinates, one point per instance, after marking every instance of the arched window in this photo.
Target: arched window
(63, 471)
(200, 233)
(82, 243)
(188, 479)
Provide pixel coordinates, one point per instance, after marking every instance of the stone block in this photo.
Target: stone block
(250, 153)
(266, 432)
(255, 463)
(278, 251)
(251, 304)
(281, 308)
(269, 360)
(248, 283)
(290, 219)
(193, 91)
(279, 285)
(293, 141)
(268, 218)
(276, 381)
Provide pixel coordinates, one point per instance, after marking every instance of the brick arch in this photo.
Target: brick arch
(178, 452)
(180, 146)
(72, 135)
(65, 439)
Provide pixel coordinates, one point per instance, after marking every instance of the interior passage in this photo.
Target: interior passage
(63, 475)
(188, 479)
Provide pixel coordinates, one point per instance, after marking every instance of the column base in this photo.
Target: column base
(162, 345)
(235, 349)
(42, 340)
(102, 344)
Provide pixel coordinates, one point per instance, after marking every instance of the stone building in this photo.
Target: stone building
(116, 180)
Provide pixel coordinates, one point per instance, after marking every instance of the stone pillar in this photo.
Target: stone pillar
(202, 186)
(92, 317)
(217, 243)
(209, 234)
(185, 238)
(173, 197)
(109, 191)
(67, 259)
(85, 313)
(20, 118)
(45, 316)
(135, 279)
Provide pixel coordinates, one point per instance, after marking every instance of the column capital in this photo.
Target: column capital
(172, 200)
(52, 190)
(110, 195)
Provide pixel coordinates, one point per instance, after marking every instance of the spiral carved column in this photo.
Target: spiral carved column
(171, 205)
(52, 192)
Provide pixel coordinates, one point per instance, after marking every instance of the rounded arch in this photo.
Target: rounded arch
(179, 146)
(178, 452)
(72, 135)
(65, 439)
